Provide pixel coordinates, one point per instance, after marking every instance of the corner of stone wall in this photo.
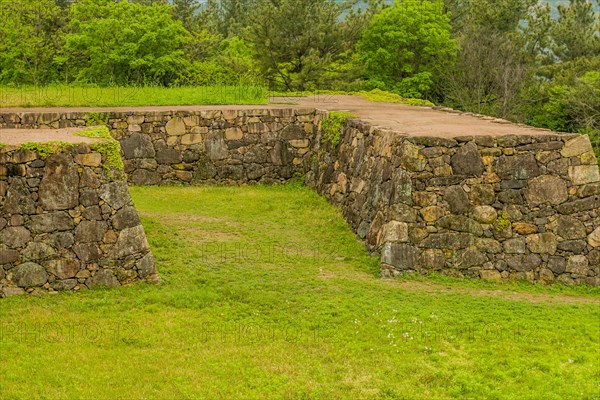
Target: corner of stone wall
(67, 222)
(504, 207)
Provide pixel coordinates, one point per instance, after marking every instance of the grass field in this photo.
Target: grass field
(81, 96)
(266, 294)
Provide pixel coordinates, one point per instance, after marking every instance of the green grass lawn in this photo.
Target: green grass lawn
(266, 294)
(74, 96)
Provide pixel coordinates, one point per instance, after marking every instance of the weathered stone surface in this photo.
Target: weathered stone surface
(557, 265)
(234, 134)
(573, 246)
(577, 264)
(594, 238)
(131, 241)
(467, 161)
(168, 156)
(115, 194)
(461, 224)
(523, 263)
(51, 222)
(546, 189)
(448, 241)
(523, 228)
(546, 276)
(146, 266)
(393, 231)
(216, 149)
(490, 275)
(515, 246)
(482, 194)
(64, 268)
(18, 199)
(469, 258)
(89, 159)
(176, 127)
(29, 274)
(570, 228)
(432, 213)
(576, 146)
(457, 199)
(280, 155)
(432, 259)
(522, 167)
(15, 236)
(8, 256)
(37, 251)
(138, 145)
(485, 214)
(542, 243)
(127, 217)
(90, 231)
(102, 278)
(59, 186)
(87, 252)
(145, 177)
(400, 256)
(588, 203)
(583, 174)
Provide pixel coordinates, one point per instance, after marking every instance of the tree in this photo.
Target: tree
(29, 39)
(295, 41)
(125, 43)
(405, 46)
(576, 33)
(493, 64)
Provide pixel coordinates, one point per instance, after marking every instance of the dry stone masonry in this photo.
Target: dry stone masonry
(199, 147)
(67, 222)
(494, 207)
(520, 206)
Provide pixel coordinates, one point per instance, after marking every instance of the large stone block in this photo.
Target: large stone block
(467, 161)
(546, 189)
(400, 256)
(59, 188)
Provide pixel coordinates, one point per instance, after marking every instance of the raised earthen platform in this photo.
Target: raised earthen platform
(67, 221)
(426, 189)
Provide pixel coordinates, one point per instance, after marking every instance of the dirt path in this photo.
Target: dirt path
(541, 298)
(410, 120)
(15, 137)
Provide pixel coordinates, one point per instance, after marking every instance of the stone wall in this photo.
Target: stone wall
(522, 207)
(516, 206)
(67, 222)
(213, 147)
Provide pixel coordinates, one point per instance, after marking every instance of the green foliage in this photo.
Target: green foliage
(91, 96)
(125, 43)
(94, 119)
(29, 40)
(405, 46)
(576, 33)
(378, 95)
(108, 147)
(502, 222)
(332, 127)
(295, 41)
(44, 149)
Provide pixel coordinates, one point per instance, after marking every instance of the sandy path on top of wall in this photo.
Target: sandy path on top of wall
(409, 120)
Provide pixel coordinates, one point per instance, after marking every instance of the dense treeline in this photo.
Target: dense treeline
(508, 58)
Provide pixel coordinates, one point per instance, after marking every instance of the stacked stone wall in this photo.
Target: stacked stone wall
(516, 206)
(67, 222)
(199, 147)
